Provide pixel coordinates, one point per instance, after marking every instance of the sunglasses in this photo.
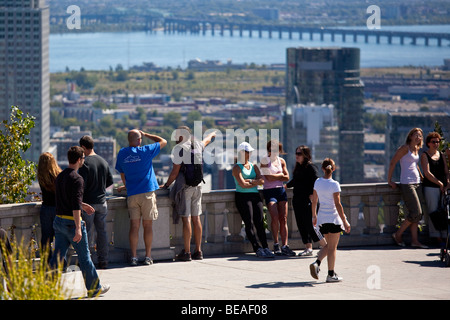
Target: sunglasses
(434, 141)
(298, 154)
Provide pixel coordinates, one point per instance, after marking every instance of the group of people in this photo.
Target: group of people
(74, 200)
(432, 183)
(74, 204)
(317, 223)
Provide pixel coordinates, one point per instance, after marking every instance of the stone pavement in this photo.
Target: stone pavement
(370, 273)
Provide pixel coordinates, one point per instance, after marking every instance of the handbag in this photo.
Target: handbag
(439, 217)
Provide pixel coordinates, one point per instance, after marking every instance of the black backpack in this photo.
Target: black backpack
(193, 171)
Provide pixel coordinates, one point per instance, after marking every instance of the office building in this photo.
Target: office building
(329, 76)
(103, 146)
(24, 67)
(315, 127)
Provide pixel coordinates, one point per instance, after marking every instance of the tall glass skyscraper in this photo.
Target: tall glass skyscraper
(24, 66)
(329, 76)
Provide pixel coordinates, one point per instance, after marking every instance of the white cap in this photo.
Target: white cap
(245, 146)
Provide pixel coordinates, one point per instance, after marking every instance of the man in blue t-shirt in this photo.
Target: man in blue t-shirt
(134, 163)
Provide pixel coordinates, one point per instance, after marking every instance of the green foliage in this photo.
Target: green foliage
(444, 144)
(16, 174)
(375, 122)
(28, 278)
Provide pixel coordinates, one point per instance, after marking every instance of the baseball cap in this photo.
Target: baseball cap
(245, 146)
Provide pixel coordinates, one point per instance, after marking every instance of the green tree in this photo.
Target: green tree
(172, 119)
(16, 174)
(192, 116)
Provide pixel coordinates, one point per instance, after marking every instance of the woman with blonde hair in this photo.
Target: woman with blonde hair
(48, 170)
(331, 219)
(410, 185)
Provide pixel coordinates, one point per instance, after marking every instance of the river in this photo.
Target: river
(100, 51)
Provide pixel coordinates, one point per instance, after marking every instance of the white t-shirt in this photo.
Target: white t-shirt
(328, 213)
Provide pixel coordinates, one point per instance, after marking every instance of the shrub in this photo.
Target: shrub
(27, 278)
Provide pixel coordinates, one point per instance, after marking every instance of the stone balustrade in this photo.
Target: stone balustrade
(372, 210)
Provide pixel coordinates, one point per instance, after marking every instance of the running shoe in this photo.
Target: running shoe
(306, 253)
(314, 270)
(334, 278)
(198, 255)
(269, 253)
(286, 251)
(277, 250)
(261, 253)
(134, 261)
(184, 256)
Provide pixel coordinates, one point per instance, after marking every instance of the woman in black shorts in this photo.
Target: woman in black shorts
(331, 219)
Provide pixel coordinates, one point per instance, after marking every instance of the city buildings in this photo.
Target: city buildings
(24, 66)
(103, 146)
(315, 127)
(328, 76)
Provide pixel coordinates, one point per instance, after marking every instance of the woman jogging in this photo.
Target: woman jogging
(331, 219)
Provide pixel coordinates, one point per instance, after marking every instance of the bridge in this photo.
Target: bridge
(172, 24)
(200, 26)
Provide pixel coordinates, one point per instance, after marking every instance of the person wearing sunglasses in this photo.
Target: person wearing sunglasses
(304, 176)
(436, 180)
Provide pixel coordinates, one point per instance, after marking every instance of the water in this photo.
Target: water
(100, 51)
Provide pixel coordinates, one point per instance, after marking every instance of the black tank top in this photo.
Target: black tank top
(437, 168)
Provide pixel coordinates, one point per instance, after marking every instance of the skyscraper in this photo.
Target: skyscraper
(24, 66)
(329, 76)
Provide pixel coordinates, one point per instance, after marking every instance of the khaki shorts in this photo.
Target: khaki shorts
(193, 198)
(143, 206)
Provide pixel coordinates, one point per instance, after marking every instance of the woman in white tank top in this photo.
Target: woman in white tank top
(410, 185)
(275, 174)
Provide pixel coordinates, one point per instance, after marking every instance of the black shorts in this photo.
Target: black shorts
(275, 195)
(330, 228)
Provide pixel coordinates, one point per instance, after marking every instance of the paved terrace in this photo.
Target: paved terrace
(372, 266)
(370, 273)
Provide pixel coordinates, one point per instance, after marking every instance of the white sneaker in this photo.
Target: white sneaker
(102, 290)
(148, 261)
(334, 278)
(306, 253)
(314, 270)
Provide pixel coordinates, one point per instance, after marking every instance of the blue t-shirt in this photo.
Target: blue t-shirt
(136, 164)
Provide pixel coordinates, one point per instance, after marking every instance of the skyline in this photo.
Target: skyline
(271, 43)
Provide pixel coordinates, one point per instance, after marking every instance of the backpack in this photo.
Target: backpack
(193, 171)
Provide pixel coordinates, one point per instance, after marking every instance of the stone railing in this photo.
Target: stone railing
(372, 210)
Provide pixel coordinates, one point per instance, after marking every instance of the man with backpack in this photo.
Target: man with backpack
(188, 172)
